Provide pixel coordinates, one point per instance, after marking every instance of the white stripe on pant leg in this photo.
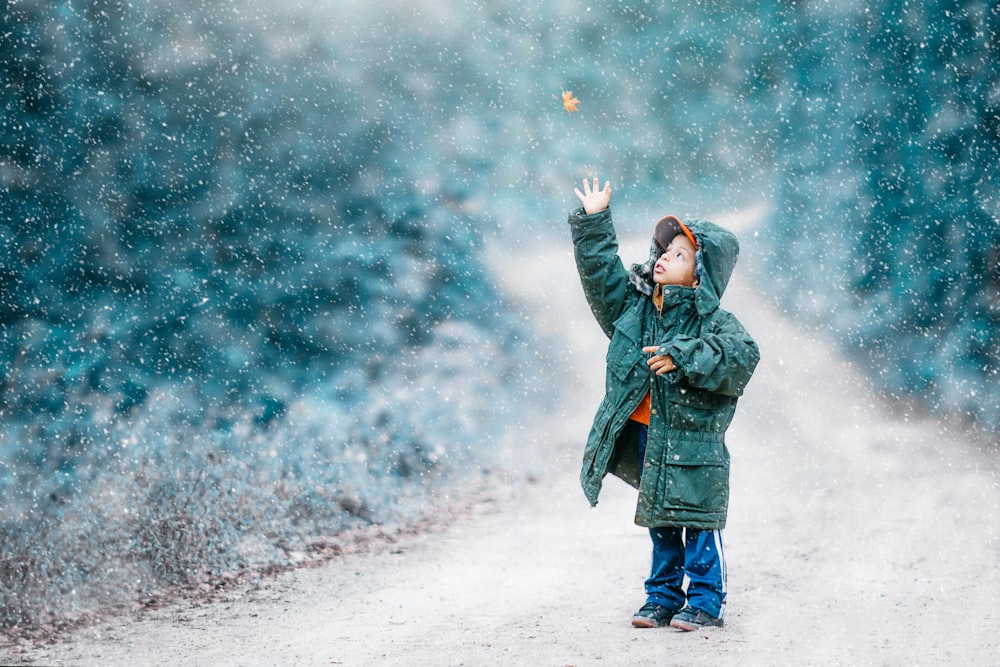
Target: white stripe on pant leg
(717, 535)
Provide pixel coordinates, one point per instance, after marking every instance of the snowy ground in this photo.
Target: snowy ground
(856, 536)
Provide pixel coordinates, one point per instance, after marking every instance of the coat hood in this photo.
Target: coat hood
(718, 251)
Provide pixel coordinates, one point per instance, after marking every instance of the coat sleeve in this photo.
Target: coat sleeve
(604, 278)
(720, 361)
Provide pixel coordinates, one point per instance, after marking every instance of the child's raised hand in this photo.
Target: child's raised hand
(594, 200)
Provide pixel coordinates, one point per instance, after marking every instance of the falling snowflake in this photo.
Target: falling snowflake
(569, 101)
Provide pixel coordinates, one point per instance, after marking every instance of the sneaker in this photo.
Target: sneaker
(652, 615)
(689, 618)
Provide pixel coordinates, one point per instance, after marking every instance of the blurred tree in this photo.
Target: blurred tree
(189, 203)
(889, 196)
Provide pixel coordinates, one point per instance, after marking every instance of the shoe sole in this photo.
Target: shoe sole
(638, 622)
(690, 627)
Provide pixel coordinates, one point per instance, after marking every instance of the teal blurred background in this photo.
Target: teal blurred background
(244, 247)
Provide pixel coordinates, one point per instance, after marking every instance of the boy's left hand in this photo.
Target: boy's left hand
(594, 200)
(660, 364)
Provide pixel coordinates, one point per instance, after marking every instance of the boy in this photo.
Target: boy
(661, 426)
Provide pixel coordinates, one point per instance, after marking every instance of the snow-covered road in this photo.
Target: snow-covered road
(859, 534)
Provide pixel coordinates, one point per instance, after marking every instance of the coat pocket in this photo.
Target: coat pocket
(704, 488)
(625, 350)
(697, 472)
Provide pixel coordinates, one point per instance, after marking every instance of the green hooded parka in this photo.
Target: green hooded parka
(684, 477)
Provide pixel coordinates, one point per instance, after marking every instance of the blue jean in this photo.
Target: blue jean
(681, 551)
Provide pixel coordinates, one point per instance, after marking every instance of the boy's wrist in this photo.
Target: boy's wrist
(582, 214)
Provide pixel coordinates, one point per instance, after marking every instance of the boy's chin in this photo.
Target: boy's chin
(668, 283)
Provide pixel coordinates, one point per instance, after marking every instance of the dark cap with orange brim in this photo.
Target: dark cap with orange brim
(670, 226)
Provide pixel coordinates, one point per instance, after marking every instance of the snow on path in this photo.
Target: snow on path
(856, 537)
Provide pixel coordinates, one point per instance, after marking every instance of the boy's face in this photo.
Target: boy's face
(676, 265)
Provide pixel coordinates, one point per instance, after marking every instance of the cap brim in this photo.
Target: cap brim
(670, 226)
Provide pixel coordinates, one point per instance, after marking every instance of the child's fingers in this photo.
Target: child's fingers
(650, 348)
(590, 189)
(659, 364)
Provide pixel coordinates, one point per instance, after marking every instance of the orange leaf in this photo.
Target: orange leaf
(569, 101)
